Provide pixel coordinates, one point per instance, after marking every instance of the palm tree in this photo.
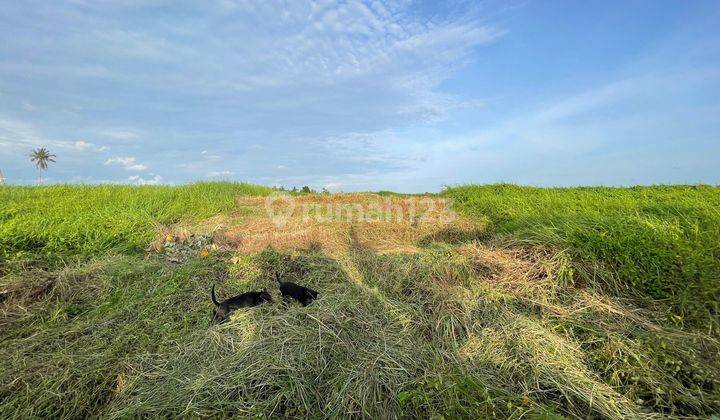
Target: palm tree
(41, 157)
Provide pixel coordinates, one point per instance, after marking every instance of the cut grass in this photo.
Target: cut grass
(467, 320)
(653, 243)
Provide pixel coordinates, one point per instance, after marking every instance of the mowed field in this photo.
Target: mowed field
(480, 301)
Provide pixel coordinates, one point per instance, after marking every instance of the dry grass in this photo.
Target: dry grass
(329, 223)
(416, 319)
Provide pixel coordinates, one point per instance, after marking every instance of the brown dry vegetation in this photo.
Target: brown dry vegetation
(553, 350)
(331, 223)
(418, 317)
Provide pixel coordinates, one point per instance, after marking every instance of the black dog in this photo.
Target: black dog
(302, 294)
(223, 309)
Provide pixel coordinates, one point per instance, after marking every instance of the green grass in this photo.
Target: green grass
(660, 243)
(571, 303)
(50, 224)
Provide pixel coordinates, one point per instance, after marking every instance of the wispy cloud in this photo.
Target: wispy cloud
(219, 174)
(353, 94)
(136, 179)
(211, 79)
(83, 145)
(21, 135)
(128, 163)
(604, 134)
(119, 134)
(332, 186)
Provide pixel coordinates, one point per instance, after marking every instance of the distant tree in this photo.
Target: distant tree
(294, 189)
(325, 191)
(41, 157)
(306, 190)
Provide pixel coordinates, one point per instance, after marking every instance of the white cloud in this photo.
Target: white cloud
(82, 145)
(599, 135)
(210, 82)
(18, 134)
(129, 163)
(384, 44)
(15, 134)
(206, 155)
(135, 179)
(218, 174)
(332, 186)
(120, 134)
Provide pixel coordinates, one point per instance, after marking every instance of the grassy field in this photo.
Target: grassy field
(551, 303)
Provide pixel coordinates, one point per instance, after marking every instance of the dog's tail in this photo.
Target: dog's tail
(212, 294)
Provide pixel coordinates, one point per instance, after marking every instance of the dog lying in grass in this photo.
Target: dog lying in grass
(288, 289)
(222, 310)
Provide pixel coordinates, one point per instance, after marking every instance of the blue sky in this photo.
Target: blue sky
(362, 95)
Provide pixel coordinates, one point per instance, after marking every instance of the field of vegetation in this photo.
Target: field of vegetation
(551, 303)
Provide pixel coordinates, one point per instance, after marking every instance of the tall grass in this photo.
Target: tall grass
(47, 224)
(658, 243)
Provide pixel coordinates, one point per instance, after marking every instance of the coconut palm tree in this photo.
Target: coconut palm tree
(41, 157)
